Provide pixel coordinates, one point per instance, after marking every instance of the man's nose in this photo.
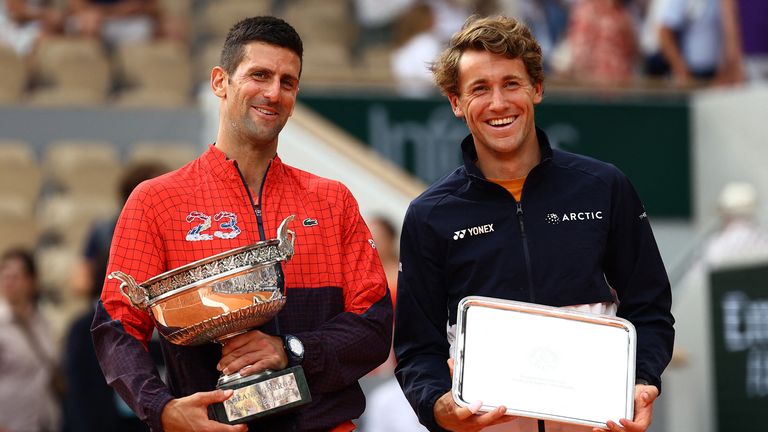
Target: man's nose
(497, 98)
(272, 90)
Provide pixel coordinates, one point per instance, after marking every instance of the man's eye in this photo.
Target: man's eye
(479, 89)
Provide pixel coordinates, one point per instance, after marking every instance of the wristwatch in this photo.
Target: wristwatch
(294, 349)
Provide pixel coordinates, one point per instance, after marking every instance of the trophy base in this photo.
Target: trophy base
(261, 395)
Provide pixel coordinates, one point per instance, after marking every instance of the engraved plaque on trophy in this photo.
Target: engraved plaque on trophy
(219, 297)
(544, 362)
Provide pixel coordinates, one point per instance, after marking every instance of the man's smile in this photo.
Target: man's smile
(500, 122)
(266, 111)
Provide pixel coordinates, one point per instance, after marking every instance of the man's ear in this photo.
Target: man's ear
(219, 81)
(538, 92)
(454, 100)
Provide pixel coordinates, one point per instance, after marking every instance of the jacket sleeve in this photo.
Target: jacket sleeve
(421, 345)
(354, 342)
(633, 267)
(120, 331)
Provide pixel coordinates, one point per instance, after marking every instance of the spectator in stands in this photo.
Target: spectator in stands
(116, 22)
(376, 19)
(90, 404)
(602, 40)
(450, 15)
(385, 236)
(387, 408)
(417, 46)
(548, 21)
(752, 17)
(655, 64)
(27, 355)
(699, 42)
(24, 22)
(740, 238)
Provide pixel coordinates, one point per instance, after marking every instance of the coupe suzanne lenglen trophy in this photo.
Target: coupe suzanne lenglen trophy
(544, 362)
(216, 298)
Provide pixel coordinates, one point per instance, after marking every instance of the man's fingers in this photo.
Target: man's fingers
(239, 340)
(491, 417)
(211, 397)
(271, 363)
(463, 413)
(450, 366)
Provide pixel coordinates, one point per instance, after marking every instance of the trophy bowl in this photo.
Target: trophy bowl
(217, 297)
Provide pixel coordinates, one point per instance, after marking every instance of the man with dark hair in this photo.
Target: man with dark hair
(338, 305)
(559, 229)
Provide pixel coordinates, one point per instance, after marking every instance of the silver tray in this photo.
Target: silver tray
(544, 362)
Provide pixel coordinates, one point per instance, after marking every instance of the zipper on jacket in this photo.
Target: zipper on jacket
(531, 294)
(260, 224)
(256, 207)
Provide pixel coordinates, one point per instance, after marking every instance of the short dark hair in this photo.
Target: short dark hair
(26, 258)
(267, 29)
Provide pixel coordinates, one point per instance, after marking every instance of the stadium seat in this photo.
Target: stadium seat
(68, 67)
(173, 154)
(20, 175)
(83, 167)
(68, 218)
(159, 66)
(219, 16)
(17, 228)
(14, 76)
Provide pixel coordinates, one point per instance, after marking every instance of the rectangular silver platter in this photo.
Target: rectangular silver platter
(544, 362)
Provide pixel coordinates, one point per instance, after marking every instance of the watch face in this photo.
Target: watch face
(296, 347)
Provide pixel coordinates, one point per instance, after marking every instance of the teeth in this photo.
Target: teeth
(261, 110)
(501, 121)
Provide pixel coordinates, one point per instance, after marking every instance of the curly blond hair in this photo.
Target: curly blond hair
(499, 35)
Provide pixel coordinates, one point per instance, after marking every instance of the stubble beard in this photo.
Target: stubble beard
(258, 134)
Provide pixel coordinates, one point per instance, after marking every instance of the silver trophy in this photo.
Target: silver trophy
(216, 298)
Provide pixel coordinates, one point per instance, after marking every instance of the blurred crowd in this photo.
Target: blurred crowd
(608, 43)
(684, 43)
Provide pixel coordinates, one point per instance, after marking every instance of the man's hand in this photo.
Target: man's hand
(456, 418)
(645, 395)
(453, 417)
(190, 413)
(252, 352)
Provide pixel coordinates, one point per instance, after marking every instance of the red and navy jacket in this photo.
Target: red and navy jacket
(578, 233)
(337, 299)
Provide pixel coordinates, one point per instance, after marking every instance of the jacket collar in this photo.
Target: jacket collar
(216, 162)
(469, 153)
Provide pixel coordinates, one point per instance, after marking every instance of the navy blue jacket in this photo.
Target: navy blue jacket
(579, 235)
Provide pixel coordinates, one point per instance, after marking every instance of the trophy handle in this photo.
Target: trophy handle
(286, 237)
(130, 289)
